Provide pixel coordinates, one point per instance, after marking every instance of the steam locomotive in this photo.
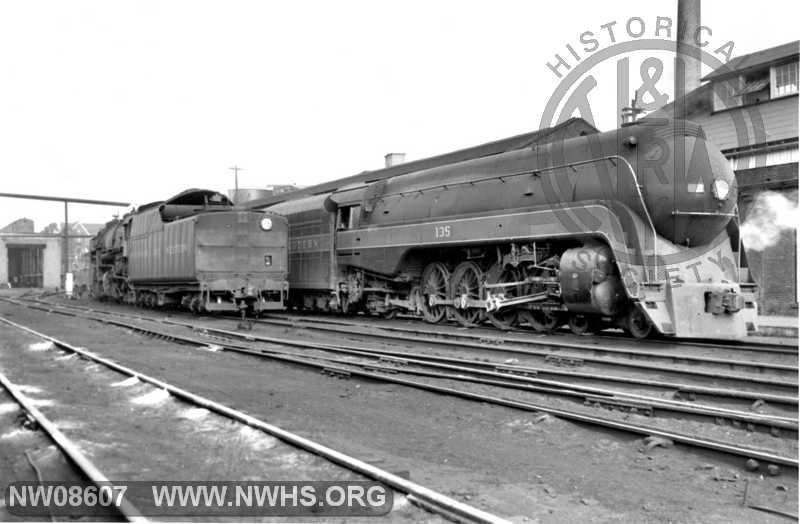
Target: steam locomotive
(196, 251)
(634, 228)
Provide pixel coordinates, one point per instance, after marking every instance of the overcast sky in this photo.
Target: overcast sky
(138, 100)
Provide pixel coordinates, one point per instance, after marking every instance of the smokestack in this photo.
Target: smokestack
(392, 159)
(687, 66)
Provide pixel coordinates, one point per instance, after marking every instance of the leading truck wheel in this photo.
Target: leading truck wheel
(637, 324)
(541, 321)
(435, 284)
(581, 325)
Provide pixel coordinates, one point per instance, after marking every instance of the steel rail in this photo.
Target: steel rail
(754, 347)
(530, 384)
(509, 380)
(431, 498)
(678, 387)
(742, 451)
(763, 420)
(586, 358)
(555, 344)
(92, 472)
(472, 364)
(597, 360)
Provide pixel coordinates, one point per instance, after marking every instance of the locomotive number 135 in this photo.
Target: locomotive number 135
(441, 231)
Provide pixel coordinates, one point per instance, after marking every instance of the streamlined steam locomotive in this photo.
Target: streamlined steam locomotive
(635, 228)
(195, 250)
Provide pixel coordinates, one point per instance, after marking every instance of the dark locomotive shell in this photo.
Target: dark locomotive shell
(195, 250)
(631, 227)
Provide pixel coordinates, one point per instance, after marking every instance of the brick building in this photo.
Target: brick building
(78, 247)
(749, 109)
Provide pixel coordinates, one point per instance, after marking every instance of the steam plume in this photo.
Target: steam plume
(771, 214)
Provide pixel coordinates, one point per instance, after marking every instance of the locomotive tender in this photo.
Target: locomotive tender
(635, 227)
(195, 250)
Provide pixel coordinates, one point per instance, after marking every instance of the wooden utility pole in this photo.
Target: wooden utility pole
(236, 170)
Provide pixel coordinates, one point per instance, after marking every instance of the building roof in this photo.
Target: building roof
(20, 225)
(75, 228)
(757, 59)
(571, 127)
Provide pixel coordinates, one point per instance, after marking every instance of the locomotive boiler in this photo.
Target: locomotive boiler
(196, 251)
(634, 228)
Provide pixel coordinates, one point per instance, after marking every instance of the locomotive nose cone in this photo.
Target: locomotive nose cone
(709, 200)
(691, 190)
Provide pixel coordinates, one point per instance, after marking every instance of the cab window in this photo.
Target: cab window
(348, 217)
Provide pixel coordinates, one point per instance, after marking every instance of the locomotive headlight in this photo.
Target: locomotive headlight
(720, 189)
(266, 224)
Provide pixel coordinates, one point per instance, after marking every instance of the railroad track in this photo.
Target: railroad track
(384, 366)
(582, 353)
(421, 496)
(780, 378)
(489, 332)
(520, 378)
(647, 349)
(783, 391)
(67, 446)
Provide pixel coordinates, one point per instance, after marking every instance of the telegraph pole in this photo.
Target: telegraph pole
(236, 170)
(65, 249)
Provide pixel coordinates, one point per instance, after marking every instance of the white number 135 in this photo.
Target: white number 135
(441, 231)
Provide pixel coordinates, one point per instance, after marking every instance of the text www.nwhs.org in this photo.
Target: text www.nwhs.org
(269, 496)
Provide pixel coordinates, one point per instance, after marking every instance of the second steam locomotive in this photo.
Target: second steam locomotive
(196, 251)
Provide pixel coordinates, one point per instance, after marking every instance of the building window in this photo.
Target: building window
(755, 159)
(784, 80)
